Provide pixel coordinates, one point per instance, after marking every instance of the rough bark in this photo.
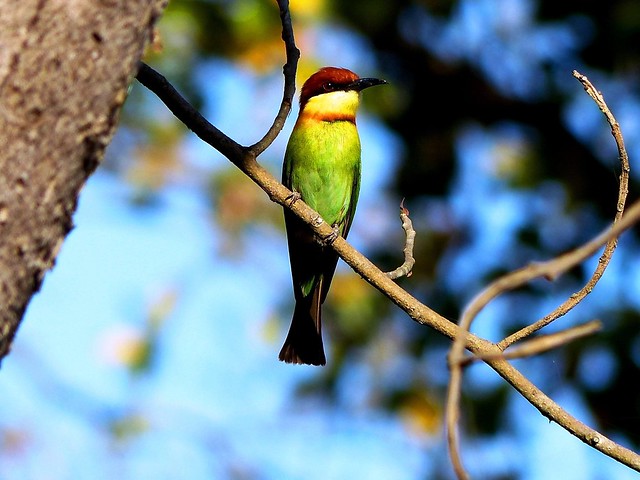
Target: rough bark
(65, 67)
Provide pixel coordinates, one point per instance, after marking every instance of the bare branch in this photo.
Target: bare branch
(550, 269)
(244, 159)
(186, 113)
(452, 416)
(542, 343)
(410, 234)
(605, 258)
(289, 71)
(211, 135)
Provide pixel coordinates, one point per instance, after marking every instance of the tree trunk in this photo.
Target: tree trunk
(65, 67)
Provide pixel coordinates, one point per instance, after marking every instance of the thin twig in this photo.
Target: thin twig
(289, 71)
(605, 258)
(194, 120)
(452, 429)
(452, 409)
(549, 269)
(519, 277)
(410, 235)
(540, 344)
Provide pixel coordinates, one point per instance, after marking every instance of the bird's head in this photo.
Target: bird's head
(333, 91)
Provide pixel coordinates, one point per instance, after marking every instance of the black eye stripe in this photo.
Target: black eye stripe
(327, 87)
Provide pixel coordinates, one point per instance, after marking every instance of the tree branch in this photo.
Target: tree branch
(186, 113)
(245, 159)
(550, 269)
(542, 343)
(289, 71)
(605, 258)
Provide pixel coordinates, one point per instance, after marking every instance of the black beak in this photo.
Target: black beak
(363, 83)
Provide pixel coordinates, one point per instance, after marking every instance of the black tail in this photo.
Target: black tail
(304, 341)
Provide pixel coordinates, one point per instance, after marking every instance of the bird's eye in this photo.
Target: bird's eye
(328, 87)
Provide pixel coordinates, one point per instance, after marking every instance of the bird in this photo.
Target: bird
(322, 167)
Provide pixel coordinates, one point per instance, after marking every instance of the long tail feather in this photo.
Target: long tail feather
(304, 341)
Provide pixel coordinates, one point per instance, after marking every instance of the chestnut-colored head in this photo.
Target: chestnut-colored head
(331, 79)
(328, 80)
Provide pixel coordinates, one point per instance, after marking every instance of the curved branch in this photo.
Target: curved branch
(244, 159)
(549, 269)
(289, 71)
(605, 258)
(210, 134)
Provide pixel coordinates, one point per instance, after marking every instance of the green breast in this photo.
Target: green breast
(322, 163)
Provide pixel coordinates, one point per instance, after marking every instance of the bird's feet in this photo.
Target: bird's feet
(293, 198)
(329, 239)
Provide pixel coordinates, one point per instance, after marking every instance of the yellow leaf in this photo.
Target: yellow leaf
(421, 414)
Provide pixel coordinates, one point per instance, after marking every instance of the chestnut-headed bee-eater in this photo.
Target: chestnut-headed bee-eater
(322, 166)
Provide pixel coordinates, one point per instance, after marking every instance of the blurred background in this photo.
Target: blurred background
(151, 350)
